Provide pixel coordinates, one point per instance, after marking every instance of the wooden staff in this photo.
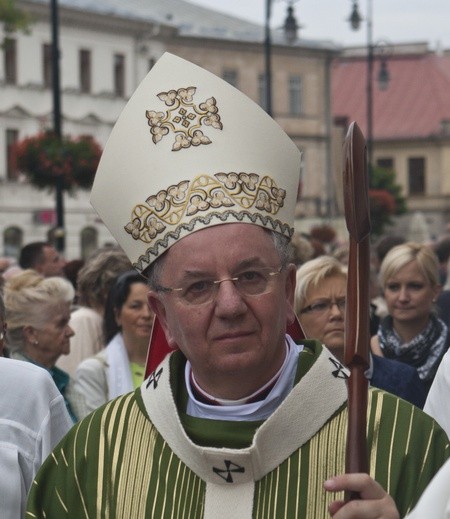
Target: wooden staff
(357, 321)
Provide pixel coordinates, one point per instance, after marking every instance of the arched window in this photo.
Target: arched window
(89, 241)
(12, 241)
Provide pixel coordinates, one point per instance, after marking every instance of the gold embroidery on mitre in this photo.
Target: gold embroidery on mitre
(170, 206)
(183, 118)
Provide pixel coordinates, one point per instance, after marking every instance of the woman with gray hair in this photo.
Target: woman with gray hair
(320, 297)
(37, 316)
(33, 419)
(412, 333)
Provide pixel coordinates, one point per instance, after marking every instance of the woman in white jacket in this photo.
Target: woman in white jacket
(120, 367)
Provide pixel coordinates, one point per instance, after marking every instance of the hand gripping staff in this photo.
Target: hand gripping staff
(357, 329)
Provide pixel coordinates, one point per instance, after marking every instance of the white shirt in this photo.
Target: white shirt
(260, 410)
(33, 419)
(437, 404)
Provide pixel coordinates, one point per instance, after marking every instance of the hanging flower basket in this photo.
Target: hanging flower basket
(44, 157)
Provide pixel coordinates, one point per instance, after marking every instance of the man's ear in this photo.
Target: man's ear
(291, 280)
(159, 309)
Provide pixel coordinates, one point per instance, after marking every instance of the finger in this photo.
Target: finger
(335, 506)
(367, 487)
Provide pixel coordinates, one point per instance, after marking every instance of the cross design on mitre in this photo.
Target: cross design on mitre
(226, 473)
(183, 118)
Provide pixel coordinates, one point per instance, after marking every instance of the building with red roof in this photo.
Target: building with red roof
(410, 120)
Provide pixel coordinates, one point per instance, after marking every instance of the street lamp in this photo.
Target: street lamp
(56, 91)
(355, 20)
(290, 29)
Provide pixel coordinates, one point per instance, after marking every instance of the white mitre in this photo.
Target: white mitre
(190, 151)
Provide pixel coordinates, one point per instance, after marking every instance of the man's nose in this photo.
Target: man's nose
(229, 301)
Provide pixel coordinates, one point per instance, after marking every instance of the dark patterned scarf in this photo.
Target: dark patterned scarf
(424, 352)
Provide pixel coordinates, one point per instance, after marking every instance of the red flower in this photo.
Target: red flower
(44, 157)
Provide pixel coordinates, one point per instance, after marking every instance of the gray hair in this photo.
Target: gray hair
(281, 242)
(100, 271)
(30, 300)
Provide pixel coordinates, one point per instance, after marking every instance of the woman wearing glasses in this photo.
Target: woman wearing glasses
(320, 297)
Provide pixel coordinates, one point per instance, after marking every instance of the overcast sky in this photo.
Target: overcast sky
(394, 21)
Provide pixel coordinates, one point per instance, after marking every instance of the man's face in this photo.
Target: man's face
(52, 264)
(235, 343)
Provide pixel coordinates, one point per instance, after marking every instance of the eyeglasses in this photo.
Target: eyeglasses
(254, 282)
(320, 307)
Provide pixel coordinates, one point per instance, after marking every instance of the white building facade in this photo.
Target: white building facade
(106, 48)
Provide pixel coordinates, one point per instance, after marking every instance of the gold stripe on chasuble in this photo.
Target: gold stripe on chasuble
(74, 465)
(135, 466)
(326, 459)
(145, 477)
(106, 474)
(375, 409)
(295, 488)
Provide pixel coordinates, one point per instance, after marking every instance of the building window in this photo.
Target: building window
(89, 241)
(386, 163)
(295, 95)
(119, 75)
(416, 175)
(12, 136)
(231, 76)
(12, 242)
(10, 63)
(262, 91)
(47, 72)
(85, 71)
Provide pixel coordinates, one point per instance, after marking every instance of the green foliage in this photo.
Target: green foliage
(44, 157)
(385, 198)
(13, 18)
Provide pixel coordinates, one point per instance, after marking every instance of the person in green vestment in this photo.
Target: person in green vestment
(199, 185)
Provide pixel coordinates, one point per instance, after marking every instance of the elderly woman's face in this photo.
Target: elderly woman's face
(53, 338)
(409, 294)
(322, 313)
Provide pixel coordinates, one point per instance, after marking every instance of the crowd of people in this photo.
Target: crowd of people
(241, 418)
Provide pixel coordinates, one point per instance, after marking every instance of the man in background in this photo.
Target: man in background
(42, 257)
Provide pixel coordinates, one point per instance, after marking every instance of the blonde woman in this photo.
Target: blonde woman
(412, 333)
(320, 297)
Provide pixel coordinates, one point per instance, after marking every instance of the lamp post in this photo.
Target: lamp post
(56, 91)
(383, 77)
(290, 28)
(268, 58)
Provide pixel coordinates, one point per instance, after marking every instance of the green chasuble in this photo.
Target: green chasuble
(141, 456)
